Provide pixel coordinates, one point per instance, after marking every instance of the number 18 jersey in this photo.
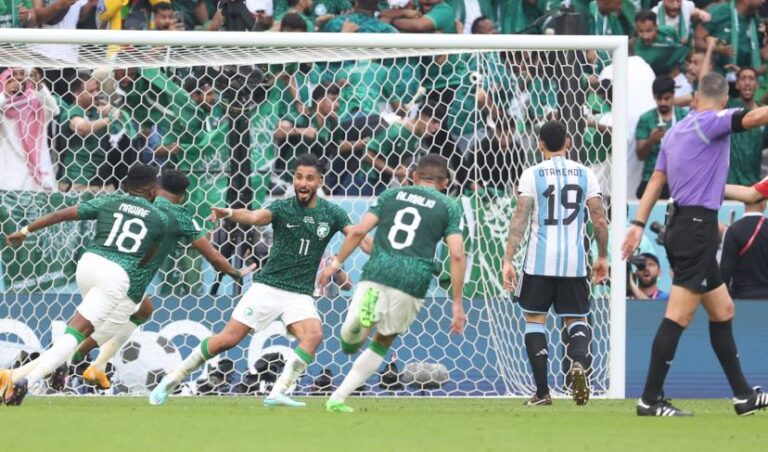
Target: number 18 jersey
(412, 221)
(560, 189)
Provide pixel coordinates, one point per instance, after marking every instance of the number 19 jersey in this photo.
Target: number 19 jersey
(412, 221)
(560, 189)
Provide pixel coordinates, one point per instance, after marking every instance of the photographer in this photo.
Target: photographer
(643, 283)
(745, 255)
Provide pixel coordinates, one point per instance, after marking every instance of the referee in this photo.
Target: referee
(693, 161)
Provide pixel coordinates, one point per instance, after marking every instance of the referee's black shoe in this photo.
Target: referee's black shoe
(662, 408)
(757, 401)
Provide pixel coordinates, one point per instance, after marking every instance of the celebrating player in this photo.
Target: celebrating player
(182, 229)
(303, 225)
(411, 221)
(129, 232)
(694, 160)
(554, 194)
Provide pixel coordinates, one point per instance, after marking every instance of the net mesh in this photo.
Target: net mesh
(70, 131)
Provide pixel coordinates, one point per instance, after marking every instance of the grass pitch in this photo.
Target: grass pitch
(116, 424)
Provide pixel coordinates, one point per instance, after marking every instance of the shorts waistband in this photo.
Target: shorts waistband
(703, 212)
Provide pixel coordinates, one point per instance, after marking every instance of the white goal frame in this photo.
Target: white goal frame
(616, 45)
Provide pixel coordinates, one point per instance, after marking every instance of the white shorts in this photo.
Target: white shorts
(263, 304)
(104, 287)
(395, 310)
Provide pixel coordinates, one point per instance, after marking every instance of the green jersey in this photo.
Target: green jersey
(746, 152)
(645, 125)
(84, 154)
(300, 237)
(665, 53)
(9, 12)
(412, 221)
(397, 144)
(127, 228)
(367, 23)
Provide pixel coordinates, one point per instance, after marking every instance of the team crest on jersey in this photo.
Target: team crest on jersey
(323, 230)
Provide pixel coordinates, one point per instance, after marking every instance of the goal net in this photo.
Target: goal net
(232, 111)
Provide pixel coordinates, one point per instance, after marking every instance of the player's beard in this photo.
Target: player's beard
(305, 199)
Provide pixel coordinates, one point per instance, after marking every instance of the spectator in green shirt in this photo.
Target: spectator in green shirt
(735, 24)
(483, 26)
(303, 8)
(194, 12)
(392, 149)
(608, 17)
(652, 126)
(433, 16)
(658, 47)
(83, 126)
(363, 15)
(466, 10)
(746, 147)
(15, 13)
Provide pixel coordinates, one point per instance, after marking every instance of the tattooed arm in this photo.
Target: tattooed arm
(600, 222)
(517, 228)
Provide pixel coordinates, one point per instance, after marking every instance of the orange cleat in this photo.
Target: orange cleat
(96, 377)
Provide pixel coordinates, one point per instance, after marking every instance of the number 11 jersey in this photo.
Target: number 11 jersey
(412, 221)
(560, 189)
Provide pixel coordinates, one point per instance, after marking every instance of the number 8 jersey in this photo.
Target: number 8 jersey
(560, 189)
(412, 221)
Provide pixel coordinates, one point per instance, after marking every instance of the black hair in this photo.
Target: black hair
(293, 21)
(746, 68)
(663, 84)
(645, 15)
(367, 5)
(651, 257)
(140, 176)
(174, 181)
(433, 167)
(193, 84)
(553, 134)
(162, 6)
(476, 23)
(309, 160)
(433, 111)
(322, 91)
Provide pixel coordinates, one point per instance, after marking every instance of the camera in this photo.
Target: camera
(638, 262)
(660, 231)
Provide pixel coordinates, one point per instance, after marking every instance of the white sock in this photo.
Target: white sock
(189, 365)
(364, 366)
(110, 348)
(52, 358)
(294, 368)
(23, 371)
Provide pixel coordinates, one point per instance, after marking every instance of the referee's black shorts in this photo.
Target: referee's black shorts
(570, 296)
(691, 242)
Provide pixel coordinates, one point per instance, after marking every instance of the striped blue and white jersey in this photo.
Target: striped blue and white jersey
(560, 189)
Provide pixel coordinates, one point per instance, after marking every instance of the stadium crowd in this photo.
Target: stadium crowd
(75, 130)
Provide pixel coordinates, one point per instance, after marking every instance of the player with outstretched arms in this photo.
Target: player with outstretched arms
(110, 276)
(552, 196)
(410, 222)
(303, 226)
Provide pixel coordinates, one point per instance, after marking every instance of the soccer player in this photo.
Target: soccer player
(171, 192)
(552, 196)
(411, 221)
(129, 231)
(694, 161)
(303, 225)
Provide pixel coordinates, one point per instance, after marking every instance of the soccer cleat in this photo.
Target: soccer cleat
(662, 408)
(58, 379)
(539, 401)
(368, 308)
(160, 394)
(757, 401)
(579, 386)
(18, 393)
(95, 376)
(338, 407)
(6, 384)
(282, 400)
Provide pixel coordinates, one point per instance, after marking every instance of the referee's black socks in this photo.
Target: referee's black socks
(662, 354)
(721, 336)
(538, 355)
(579, 337)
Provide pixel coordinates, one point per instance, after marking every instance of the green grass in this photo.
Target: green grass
(91, 424)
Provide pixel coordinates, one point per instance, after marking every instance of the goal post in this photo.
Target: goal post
(384, 86)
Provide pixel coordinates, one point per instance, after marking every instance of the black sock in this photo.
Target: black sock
(580, 336)
(721, 336)
(538, 354)
(662, 354)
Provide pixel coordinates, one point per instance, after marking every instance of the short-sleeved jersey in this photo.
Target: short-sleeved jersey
(560, 189)
(412, 221)
(84, 154)
(300, 235)
(181, 229)
(645, 125)
(127, 228)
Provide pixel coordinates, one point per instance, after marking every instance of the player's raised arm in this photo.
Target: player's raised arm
(260, 217)
(218, 261)
(355, 234)
(748, 195)
(59, 216)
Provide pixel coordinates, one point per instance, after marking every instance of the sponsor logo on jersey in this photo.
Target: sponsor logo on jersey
(323, 230)
(248, 312)
(309, 220)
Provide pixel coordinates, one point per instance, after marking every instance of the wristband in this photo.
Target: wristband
(336, 264)
(638, 223)
(24, 231)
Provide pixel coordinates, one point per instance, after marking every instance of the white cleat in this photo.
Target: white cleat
(160, 394)
(282, 400)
